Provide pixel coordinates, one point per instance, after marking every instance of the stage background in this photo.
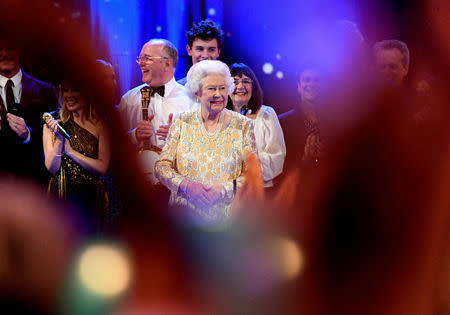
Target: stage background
(273, 37)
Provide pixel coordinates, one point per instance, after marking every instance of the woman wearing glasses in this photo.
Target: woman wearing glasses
(205, 154)
(247, 99)
(76, 164)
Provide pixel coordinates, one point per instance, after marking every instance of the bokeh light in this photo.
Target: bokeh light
(105, 270)
(291, 259)
(267, 68)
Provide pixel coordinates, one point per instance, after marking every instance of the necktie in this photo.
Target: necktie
(159, 90)
(2, 109)
(10, 100)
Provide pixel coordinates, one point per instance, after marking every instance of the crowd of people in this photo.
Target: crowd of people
(361, 161)
(192, 136)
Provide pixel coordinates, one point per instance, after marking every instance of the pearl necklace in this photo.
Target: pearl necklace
(206, 133)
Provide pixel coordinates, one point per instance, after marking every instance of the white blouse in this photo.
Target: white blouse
(269, 144)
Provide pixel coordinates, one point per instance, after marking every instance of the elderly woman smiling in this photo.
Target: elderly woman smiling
(204, 157)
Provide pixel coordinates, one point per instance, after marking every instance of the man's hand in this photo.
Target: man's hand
(163, 130)
(144, 129)
(18, 125)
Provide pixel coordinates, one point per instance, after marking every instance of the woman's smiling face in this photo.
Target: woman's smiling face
(213, 93)
(242, 91)
(72, 98)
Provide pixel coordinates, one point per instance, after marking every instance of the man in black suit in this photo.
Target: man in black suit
(23, 101)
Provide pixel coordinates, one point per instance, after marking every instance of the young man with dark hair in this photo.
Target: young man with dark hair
(204, 42)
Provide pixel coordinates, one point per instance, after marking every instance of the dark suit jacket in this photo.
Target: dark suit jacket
(295, 134)
(27, 159)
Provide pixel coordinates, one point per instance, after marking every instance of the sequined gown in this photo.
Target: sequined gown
(75, 183)
(193, 153)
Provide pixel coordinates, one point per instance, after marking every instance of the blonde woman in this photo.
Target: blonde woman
(76, 164)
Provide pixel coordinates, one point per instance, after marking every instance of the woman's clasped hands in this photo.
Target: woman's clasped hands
(202, 194)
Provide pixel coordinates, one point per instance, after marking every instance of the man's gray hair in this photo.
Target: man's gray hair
(168, 48)
(200, 70)
(393, 44)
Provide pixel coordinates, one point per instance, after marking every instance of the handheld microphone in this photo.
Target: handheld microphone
(47, 116)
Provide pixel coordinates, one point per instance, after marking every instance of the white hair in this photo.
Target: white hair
(199, 71)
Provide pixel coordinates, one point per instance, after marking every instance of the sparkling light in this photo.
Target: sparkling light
(212, 11)
(278, 56)
(159, 28)
(279, 75)
(267, 68)
(104, 270)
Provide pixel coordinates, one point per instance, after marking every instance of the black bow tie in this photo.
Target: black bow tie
(159, 90)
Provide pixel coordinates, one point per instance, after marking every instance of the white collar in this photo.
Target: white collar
(17, 78)
(168, 87)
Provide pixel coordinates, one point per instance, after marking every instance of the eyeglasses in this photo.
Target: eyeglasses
(243, 81)
(148, 59)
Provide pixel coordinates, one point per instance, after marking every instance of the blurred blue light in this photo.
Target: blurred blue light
(267, 68)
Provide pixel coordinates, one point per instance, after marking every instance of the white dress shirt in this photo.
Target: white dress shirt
(174, 101)
(17, 88)
(269, 144)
